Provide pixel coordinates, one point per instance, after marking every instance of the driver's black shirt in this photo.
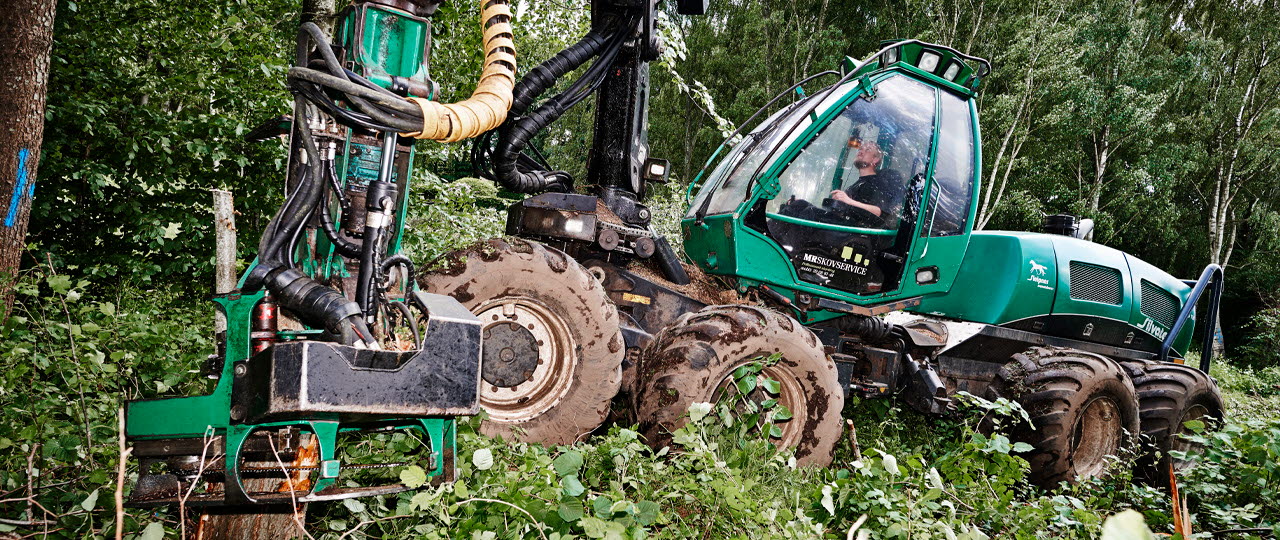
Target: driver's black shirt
(878, 190)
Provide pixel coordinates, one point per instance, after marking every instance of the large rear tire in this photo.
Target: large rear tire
(694, 360)
(552, 345)
(1083, 408)
(1169, 396)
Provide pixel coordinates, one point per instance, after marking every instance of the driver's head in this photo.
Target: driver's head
(869, 156)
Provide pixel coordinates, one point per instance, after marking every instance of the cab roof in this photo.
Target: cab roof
(938, 64)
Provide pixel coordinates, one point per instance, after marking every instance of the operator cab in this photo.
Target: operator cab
(838, 180)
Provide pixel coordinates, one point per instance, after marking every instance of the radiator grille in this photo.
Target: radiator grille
(1158, 304)
(1095, 283)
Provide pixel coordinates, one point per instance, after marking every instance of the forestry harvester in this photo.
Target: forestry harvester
(835, 237)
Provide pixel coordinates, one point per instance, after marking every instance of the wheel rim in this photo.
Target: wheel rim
(552, 375)
(1097, 435)
(790, 395)
(1195, 412)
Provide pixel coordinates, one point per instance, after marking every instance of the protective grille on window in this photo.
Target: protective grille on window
(1158, 304)
(1095, 283)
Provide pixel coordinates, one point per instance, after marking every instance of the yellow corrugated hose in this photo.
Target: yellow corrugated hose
(487, 107)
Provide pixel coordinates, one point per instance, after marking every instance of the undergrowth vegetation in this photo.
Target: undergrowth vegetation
(70, 356)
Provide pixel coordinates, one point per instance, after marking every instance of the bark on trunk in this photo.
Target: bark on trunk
(26, 40)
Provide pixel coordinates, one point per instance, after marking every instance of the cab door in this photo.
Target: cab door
(949, 202)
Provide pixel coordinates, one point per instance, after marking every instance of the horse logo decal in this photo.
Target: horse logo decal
(1037, 268)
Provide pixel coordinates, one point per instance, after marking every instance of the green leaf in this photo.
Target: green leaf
(570, 512)
(599, 528)
(59, 283)
(422, 500)
(603, 507)
(571, 486)
(746, 385)
(771, 386)
(89, 502)
(567, 463)
(1020, 447)
(1194, 425)
(782, 413)
(413, 477)
(647, 512)
(354, 505)
(482, 459)
(154, 531)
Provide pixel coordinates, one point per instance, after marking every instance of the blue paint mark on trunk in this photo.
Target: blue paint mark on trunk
(21, 188)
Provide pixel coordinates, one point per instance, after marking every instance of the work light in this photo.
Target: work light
(952, 71)
(929, 61)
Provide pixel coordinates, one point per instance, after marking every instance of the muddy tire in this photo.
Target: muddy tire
(1083, 408)
(552, 346)
(1169, 395)
(693, 360)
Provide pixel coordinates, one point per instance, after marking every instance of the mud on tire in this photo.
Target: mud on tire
(1169, 395)
(553, 348)
(689, 360)
(1083, 408)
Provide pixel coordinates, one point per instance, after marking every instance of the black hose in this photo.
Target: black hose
(315, 304)
(341, 244)
(545, 75)
(515, 135)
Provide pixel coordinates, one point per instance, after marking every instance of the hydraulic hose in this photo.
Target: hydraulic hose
(488, 105)
(545, 75)
(513, 137)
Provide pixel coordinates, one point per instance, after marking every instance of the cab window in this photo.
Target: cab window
(947, 209)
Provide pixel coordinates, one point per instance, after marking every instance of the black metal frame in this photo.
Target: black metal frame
(1212, 279)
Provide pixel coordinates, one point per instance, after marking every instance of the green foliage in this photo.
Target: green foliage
(1262, 346)
(449, 215)
(1234, 477)
(68, 361)
(147, 107)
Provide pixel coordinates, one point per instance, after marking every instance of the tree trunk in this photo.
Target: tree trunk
(26, 40)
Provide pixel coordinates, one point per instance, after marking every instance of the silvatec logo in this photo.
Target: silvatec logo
(1038, 275)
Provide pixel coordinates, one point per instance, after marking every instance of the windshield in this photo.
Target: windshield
(741, 163)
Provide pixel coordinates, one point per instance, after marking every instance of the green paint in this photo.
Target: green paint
(386, 43)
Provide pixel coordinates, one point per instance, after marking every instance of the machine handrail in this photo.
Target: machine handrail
(1210, 278)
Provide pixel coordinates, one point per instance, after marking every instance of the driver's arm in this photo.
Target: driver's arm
(843, 197)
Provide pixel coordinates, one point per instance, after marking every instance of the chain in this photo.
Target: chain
(289, 468)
